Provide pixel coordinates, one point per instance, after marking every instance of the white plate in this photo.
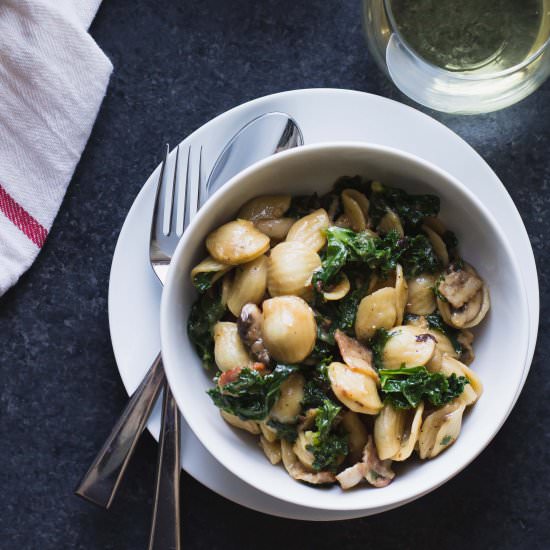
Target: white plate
(323, 115)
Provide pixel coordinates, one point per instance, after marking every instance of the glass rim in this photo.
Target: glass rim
(456, 74)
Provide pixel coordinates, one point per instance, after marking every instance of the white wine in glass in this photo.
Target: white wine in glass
(466, 56)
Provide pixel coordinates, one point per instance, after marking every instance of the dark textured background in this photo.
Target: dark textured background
(178, 64)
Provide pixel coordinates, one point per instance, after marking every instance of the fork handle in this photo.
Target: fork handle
(165, 527)
(101, 481)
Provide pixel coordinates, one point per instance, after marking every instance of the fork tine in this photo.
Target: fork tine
(181, 201)
(194, 185)
(158, 213)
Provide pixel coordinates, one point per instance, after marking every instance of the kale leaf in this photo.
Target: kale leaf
(411, 209)
(405, 388)
(347, 247)
(203, 281)
(328, 446)
(418, 256)
(302, 205)
(317, 385)
(436, 323)
(288, 432)
(376, 344)
(252, 395)
(205, 313)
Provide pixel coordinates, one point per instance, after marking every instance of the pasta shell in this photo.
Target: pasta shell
(249, 285)
(276, 229)
(388, 428)
(443, 346)
(421, 297)
(236, 242)
(439, 246)
(377, 310)
(356, 208)
(407, 345)
(229, 351)
(265, 207)
(339, 290)
(473, 390)
(466, 340)
(247, 425)
(288, 328)
(298, 471)
(289, 404)
(391, 222)
(357, 435)
(435, 224)
(401, 294)
(376, 282)
(290, 268)
(227, 281)
(268, 433)
(209, 265)
(440, 429)
(310, 230)
(354, 389)
(410, 434)
(343, 221)
(272, 450)
(306, 457)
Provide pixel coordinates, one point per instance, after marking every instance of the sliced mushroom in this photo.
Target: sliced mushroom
(250, 330)
(459, 285)
(355, 355)
(377, 472)
(352, 476)
(298, 471)
(272, 450)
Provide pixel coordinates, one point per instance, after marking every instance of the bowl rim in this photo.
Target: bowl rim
(170, 361)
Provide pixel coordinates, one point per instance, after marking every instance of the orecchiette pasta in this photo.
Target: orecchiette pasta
(391, 222)
(229, 351)
(210, 267)
(266, 207)
(408, 346)
(356, 209)
(440, 429)
(439, 246)
(421, 297)
(288, 328)
(290, 268)
(276, 229)
(288, 405)
(401, 294)
(339, 348)
(310, 230)
(354, 389)
(377, 310)
(248, 286)
(236, 243)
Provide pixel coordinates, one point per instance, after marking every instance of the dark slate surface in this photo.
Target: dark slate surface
(178, 64)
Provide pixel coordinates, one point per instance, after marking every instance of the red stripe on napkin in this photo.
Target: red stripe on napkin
(33, 229)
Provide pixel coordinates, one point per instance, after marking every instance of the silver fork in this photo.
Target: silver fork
(175, 189)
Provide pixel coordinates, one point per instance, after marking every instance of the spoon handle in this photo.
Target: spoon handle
(101, 481)
(165, 527)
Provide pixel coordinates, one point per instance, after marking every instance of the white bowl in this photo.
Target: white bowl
(501, 342)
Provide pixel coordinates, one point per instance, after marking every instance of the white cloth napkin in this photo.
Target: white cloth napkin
(53, 77)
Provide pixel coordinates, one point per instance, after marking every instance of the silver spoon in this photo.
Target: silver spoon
(261, 137)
